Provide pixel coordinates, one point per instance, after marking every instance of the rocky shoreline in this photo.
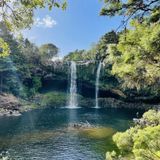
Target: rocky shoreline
(12, 106)
(115, 103)
(9, 105)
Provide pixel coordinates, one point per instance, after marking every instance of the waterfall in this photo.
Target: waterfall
(97, 84)
(73, 86)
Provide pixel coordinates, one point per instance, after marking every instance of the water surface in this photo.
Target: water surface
(47, 134)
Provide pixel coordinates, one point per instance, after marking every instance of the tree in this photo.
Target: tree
(5, 70)
(102, 45)
(4, 48)
(48, 51)
(98, 51)
(18, 69)
(135, 59)
(30, 51)
(132, 9)
(19, 14)
(77, 55)
(140, 142)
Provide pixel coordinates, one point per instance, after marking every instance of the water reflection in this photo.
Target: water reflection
(45, 134)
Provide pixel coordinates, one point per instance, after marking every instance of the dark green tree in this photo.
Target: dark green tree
(102, 45)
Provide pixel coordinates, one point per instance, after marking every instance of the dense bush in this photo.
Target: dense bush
(141, 142)
(54, 99)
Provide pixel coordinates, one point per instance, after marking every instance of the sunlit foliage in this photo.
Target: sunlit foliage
(140, 142)
(136, 57)
(4, 48)
(18, 14)
(47, 51)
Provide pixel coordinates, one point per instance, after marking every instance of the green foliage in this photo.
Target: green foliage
(151, 118)
(4, 48)
(77, 55)
(19, 14)
(29, 52)
(9, 80)
(111, 155)
(140, 142)
(124, 140)
(132, 9)
(97, 52)
(136, 57)
(33, 87)
(48, 51)
(146, 144)
(21, 71)
(54, 99)
(102, 46)
(37, 83)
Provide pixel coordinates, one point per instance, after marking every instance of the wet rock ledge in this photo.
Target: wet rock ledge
(9, 105)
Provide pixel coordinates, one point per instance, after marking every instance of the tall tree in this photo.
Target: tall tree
(102, 45)
(77, 55)
(48, 51)
(136, 57)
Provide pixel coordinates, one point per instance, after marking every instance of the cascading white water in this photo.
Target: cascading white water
(73, 86)
(97, 84)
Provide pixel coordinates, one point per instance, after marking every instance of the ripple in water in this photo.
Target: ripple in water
(47, 135)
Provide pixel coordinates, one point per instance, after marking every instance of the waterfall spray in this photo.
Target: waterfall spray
(97, 84)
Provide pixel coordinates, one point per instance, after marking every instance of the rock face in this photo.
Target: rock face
(115, 103)
(9, 105)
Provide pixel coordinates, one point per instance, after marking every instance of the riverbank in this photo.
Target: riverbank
(13, 106)
(9, 105)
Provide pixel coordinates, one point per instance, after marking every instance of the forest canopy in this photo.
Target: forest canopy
(131, 55)
(18, 69)
(136, 57)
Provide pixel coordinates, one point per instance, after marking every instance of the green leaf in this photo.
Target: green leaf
(56, 4)
(4, 48)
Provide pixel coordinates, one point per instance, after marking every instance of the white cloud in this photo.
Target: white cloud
(46, 22)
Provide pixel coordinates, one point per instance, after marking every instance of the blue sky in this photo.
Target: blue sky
(76, 28)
